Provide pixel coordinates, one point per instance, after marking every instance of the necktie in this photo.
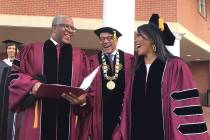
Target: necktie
(58, 48)
(110, 57)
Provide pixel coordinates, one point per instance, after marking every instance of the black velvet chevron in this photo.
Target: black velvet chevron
(190, 110)
(189, 129)
(183, 95)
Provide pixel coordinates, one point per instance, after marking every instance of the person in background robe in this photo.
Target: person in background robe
(112, 88)
(6, 116)
(12, 48)
(54, 61)
(165, 100)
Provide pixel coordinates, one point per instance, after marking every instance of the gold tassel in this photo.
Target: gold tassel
(36, 114)
(161, 24)
(115, 38)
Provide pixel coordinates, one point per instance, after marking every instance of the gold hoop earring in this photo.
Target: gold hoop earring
(154, 48)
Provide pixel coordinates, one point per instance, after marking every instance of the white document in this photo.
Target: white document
(89, 79)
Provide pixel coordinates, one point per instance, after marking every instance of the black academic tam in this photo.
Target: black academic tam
(107, 30)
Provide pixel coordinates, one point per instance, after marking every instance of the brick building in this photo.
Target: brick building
(30, 20)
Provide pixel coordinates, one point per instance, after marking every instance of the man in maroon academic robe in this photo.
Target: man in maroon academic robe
(52, 62)
(112, 89)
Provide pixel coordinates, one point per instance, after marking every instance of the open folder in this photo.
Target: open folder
(56, 90)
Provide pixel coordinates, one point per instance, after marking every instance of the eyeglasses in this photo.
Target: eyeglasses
(109, 38)
(68, 27)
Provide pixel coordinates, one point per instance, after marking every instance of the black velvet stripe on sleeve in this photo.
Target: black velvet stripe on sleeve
(28, 101)
(13, 72)
(192, 129)
(188, 111)
(12, 77)
(183, 95)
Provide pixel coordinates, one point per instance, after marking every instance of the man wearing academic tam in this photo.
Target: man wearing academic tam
(54, 61)
(165, 100)
(6, 116)
(112, 88)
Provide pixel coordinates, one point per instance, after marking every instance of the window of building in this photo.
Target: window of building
(202, 7)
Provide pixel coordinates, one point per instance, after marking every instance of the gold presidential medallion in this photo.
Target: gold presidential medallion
(110, 85)
(105, 68)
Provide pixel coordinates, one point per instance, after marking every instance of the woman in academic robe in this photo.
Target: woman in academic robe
(165, 100)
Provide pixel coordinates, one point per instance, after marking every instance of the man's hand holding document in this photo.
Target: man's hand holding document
(57, 90)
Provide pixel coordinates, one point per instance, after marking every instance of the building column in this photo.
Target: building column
(120, 14)
(209, 81)
(207, 98)
(175, 50)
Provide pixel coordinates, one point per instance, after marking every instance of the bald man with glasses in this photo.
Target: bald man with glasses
(53, 62)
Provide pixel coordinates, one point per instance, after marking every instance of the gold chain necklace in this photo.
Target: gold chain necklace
(105, 67)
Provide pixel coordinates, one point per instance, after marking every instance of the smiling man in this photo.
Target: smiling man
(112, 88)
(51, 62)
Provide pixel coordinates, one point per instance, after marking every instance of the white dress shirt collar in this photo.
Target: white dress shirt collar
(112, 54)
(53, 41)
(7, 61)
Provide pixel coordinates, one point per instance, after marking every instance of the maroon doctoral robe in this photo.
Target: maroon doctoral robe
(178, 92)
(122, 129)
(181, 111)
(30, 64)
